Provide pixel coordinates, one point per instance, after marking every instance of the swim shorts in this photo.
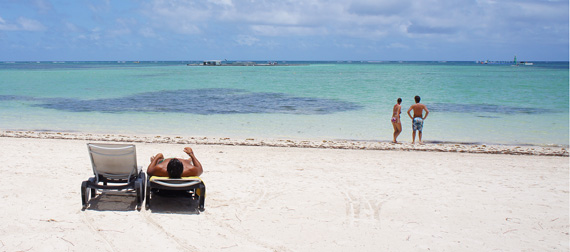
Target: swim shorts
(418, 124)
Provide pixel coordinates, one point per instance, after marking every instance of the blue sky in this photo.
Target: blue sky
(284, 30)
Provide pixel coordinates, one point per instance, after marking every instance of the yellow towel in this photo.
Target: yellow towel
(167, 178)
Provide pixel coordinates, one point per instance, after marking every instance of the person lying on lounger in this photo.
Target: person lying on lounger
(174, 167)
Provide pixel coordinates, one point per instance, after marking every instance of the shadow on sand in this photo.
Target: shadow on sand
(113, 201)
(179, 202)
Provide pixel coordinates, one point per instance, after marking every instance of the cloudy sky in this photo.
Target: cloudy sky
(283, 29)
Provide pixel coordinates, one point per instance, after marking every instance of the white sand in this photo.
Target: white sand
(291, 199)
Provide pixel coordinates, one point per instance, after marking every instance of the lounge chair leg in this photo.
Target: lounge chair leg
(147, 201)
(202, 199)
(142, 178)
(93, 191)
(84, 197)
(138, 189)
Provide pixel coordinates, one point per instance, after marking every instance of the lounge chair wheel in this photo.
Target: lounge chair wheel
(93, 190)
(139, 190)
(147, 195)
(142, 179)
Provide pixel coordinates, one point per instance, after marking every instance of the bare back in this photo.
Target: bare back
(397, 110)
(159, 165)
(189, 168)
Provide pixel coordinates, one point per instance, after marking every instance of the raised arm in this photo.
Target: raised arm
(151, 170)
(195, 161)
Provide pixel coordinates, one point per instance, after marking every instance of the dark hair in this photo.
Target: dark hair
(417, 98)
(175, 168)
(399, 100)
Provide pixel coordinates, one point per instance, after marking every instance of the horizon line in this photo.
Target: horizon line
(246, 60)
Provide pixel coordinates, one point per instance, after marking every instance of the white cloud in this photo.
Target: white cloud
(95, 34)
(71, 27)
(452, 21)
(30, 24)
(277, 31)
(123, 27)
(21, 24)
(147, 32)
(43, 6)
(397, 46)
(222, 2)
(179, 16)
(2, 21)
(375, 7)
(246, 40)
(100, 6)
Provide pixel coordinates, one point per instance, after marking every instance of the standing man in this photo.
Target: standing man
(418, 118)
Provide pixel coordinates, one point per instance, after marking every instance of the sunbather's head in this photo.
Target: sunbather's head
(174, 168)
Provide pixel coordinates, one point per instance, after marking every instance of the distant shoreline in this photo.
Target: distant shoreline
(243, 63)
(532, 150)
(261, 62)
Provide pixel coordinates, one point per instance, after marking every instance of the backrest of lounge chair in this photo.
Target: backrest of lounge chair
(113, 161)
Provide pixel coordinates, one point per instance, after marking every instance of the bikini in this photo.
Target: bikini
(162, 160)
(395, 119)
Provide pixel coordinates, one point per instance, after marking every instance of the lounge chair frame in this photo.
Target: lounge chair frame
(115, 169)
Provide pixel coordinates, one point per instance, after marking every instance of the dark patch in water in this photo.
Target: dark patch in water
(199, 101)
(16, 98)
(484, 108)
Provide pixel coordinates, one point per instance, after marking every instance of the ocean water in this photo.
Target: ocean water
(468, 102)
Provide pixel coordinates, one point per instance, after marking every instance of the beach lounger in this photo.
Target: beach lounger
(115, 168)
(193, 185)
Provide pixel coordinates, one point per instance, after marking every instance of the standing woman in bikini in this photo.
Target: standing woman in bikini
(396, 119)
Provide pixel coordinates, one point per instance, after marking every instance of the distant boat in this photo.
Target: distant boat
(212, 63)
(523, 63)
(238, 63)
(512, 63)
(493, 62)
(208, 63)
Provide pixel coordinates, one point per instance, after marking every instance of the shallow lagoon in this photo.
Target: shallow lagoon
(317, 100)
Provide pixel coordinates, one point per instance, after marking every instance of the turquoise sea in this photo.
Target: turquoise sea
(468, 102)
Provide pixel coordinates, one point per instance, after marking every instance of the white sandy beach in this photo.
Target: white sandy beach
(263, 198)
